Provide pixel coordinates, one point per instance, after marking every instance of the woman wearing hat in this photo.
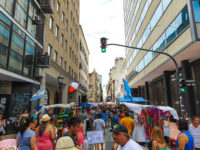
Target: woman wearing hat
(45, 134)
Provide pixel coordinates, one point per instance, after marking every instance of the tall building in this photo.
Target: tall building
(62, 45)
(170, 26)
(94, 88)
(83, 67)
(114, 87)
(21, 49)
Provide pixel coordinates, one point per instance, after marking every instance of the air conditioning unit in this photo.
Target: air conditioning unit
(37, 20)
(43, 61)
(46, 6)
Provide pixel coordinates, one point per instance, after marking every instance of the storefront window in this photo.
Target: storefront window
(196, 7)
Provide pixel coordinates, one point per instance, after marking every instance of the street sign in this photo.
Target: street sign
(190, 82)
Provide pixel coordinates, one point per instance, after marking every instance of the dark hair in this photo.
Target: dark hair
(182, 125)
(24, 110)
(194, 117)
(98, 115)
(127, 114)
(72, 122)
(38, 119)
(42, 127)
(24, 124)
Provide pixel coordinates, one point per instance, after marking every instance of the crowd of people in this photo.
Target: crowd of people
(49, 132)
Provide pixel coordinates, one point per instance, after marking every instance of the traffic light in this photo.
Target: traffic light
(103, 44)
(183, 85)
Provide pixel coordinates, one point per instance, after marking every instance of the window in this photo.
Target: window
(63, 16)
(58, 7)
(66, 24)
(65, 65)
(49, 49)
(70, 32)
(57, 31)
(67, 4)
(61, 61)
(70, 52)
(20, 15)
(55, 56)
(61, 40)
(65, 44)
(51, 23)
(69, 70)
(171, 32)
(196, 7)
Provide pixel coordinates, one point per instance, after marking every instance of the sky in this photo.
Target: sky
(103, 18)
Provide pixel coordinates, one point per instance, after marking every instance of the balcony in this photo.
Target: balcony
(46, 6)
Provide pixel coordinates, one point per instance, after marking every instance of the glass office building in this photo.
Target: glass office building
(170, 26)
(21, 40)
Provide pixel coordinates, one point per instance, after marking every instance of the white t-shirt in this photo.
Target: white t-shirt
(130, 145)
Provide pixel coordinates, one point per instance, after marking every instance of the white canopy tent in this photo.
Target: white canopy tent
(137, 108)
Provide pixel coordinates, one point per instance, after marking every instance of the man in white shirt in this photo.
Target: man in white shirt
(99, 125)
(123, 140)
(194, 129)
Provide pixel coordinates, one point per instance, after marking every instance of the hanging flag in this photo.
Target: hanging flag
(39, 94)
(127, 90)
(73, 87)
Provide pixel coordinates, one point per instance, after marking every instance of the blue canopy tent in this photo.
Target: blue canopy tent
(132, 100)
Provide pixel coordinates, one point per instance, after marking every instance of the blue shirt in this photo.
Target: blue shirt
(24, 141)
(104, 116)
(115, 120)
(190, 144)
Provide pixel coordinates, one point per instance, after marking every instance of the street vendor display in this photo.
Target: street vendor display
(148, 117)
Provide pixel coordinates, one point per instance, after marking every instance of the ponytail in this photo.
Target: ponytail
(24, 124)
(42, 127)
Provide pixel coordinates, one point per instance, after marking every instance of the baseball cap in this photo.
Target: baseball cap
(119, 128)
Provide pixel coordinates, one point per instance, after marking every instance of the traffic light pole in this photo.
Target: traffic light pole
(177, 73)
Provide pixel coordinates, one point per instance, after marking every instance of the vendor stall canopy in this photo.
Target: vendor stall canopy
(137, 108)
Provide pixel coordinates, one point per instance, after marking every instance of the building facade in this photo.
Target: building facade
(83, 67)
(114, 87)
(21, 49)
(62, 45)
(170, 26)
(94, 88)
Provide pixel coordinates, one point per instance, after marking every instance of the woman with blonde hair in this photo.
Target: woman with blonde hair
(158, 141)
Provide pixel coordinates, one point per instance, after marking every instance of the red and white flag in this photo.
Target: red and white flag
(73, 87)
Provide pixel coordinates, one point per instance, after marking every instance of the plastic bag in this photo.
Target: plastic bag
(85, 145)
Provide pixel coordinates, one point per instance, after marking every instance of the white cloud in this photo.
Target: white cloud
(102, 18)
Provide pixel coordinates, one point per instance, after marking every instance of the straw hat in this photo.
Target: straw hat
(65, 143)
(45, 118)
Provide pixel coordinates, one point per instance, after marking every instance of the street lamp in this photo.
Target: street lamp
(177, 73)
(60, 83)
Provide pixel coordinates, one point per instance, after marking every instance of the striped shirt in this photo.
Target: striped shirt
(196, 135)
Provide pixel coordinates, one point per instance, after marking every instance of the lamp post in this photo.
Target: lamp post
(177, 73)
(60, 83)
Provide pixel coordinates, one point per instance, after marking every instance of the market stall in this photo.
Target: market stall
(149, 116)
